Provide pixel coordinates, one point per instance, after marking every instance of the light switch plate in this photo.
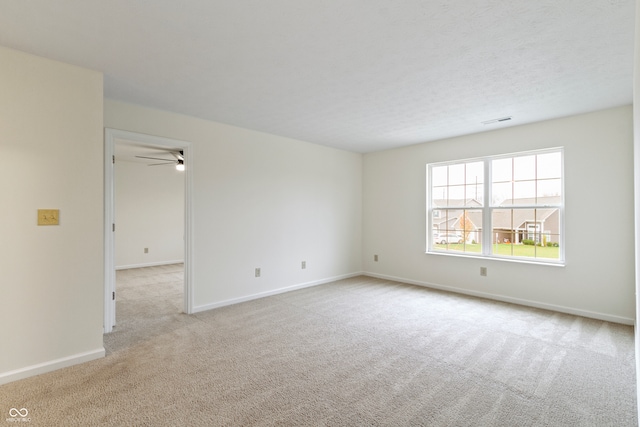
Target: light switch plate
(48, 216)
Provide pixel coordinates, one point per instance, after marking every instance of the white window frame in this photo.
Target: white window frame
(487, 210)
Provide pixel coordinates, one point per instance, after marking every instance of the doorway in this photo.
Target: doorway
(131, 140)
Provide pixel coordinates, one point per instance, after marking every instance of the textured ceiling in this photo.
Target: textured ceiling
(362, 75)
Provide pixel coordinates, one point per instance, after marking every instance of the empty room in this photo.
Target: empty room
(319, 213)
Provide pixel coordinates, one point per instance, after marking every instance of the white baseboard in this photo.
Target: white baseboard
(232, 301)
(52, 365)
(148, 264)
(519, 301)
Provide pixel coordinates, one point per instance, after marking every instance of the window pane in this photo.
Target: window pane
(439, 220)
(457, 230)
(456, 174)
(439, 196)
(528, 233)
(524, 167)
(550, 165)
(470, 225)
(439, 176)
(506, 234)
(458, 185)
(501, 170)
(502, 193)
(524, 192)
(475, 195)
(550, 247)
(549, 188)
(456, 195)
(475, 173)
(451, 216)
(444, 220)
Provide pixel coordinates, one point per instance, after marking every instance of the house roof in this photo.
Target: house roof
(468, 203)
(452, 220)
(443, 220)
(507, 218)
(544, 200)
(513, 219)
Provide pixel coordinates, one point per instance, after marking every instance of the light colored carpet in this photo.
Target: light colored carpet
(355, 352)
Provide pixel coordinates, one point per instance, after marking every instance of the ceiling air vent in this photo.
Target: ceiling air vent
(501, 119)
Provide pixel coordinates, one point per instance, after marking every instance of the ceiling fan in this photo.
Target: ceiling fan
(179, 160)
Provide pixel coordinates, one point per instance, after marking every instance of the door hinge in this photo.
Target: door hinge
(113, 295)
(113, 159)
(113, 227)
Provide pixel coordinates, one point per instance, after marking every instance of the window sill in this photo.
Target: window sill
(537, 261)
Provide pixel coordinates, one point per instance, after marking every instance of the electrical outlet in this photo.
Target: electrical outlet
(483, 271)
(375, 258)
(146, 250)
(257, 272)
(304, 264)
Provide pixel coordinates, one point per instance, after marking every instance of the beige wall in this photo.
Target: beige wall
(260, 200)
(149, 213)
(51, 277)
(598, 279)
(636, 153)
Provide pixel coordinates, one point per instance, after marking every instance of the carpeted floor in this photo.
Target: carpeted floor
(355, 352)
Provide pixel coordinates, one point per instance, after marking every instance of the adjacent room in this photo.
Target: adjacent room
(232, 213)
(148, 207)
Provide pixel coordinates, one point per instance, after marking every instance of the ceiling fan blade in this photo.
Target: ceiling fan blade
(160, 164)
(179, 155)
(154, 158)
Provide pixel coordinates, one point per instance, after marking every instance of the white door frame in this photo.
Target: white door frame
(110, 137)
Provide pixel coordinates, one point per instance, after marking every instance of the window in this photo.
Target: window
(518, 198)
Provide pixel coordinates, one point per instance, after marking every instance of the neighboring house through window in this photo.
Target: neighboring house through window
(522, 206)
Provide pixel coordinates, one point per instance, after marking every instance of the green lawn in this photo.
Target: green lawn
(527, 251)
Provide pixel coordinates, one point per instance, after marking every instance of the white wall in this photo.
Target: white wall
(260, 201)
(149, 213)
(51, 276)
(636, 153)
(598, 279)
